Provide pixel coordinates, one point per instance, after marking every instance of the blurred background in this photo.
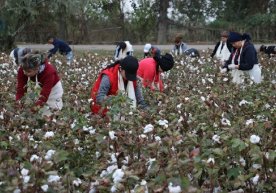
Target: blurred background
(139, 21)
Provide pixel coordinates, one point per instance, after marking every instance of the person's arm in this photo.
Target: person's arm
(48, 84)
(248, 59)
(229, 46)
(53, 50)
(103, 89)
(21, 87)
(215, 49)
(139, 97)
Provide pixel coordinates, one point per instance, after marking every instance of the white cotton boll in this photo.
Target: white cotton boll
(93, 186)
(53, 178)
(34, 158)
(243, 102)
(98, 154)
(174, 189)
(180, 119)
(2, 115)
(77, 182)
(143, 183)
(150, 162)
(49, 154)
(157, 138)
(126, 160)
(242, 161)
(148, 128)
(76, 141)
(211, 160)
(210, 80)
(267, 106)
(118, 175)
(216, 138)
(255, 139)
(44, 187)
(113, 189)
(256, 166)
(255, 179)
(24, 172)
(49, 134)
(187, 98)
(73, 124)
(225, 79)
(267, 155)
(203, 81)
(111, 168)
(112, 135)
(249, 122)
(179, 106)
(142, 136)
(203, 98)
(103, 174)
(26, 179)
(17, 191)
(15, 71)
(113, 158)
(225, 122)
(90, 100)
(163, 123)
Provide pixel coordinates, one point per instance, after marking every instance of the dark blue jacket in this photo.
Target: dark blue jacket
(60, 46)
(248, 57)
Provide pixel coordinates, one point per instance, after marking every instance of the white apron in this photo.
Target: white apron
(54, 101)
(222, 54)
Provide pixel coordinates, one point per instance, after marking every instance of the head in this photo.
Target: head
(262, 48)
(224, 36)
(178, 39)
(235, 39)
(122, 50)
(165, 62)
(147, 48)
(128, 68)
(50, 39)
(31, 63)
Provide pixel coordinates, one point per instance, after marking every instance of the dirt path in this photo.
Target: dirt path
(112, 47)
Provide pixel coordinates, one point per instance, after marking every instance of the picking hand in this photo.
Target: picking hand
(232, 66)
(223, 70)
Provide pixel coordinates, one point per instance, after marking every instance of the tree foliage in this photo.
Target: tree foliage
(86, 21)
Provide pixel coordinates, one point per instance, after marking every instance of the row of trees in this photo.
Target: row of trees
(105, 21)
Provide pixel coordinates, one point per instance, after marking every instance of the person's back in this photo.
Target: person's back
(17, 55)
(269, 50)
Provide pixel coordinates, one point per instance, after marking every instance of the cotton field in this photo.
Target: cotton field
(202, 134)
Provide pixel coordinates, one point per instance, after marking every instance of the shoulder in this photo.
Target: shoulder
(249, 46)
(49, 68)
(147, 61)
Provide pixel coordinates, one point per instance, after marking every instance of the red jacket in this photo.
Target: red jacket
(112, 74)
(147, 70)
(47, 80)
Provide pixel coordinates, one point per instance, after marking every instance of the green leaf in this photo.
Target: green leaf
(232, 173)
(61, 156)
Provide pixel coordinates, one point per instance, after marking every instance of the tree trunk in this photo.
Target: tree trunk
(162, 22)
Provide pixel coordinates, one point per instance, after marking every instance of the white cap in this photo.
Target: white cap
(147, 48)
